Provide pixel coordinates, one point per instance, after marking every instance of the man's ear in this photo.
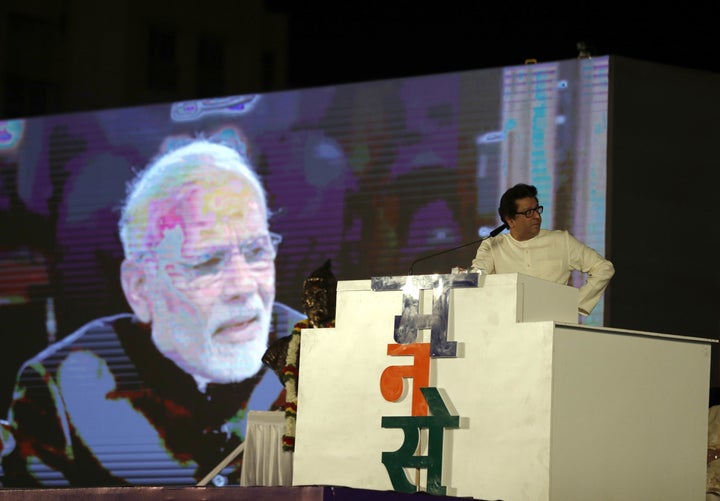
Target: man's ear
(135, 287)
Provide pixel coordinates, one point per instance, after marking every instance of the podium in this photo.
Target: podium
(546, 409)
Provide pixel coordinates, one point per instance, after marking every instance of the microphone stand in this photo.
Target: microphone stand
(493, 233)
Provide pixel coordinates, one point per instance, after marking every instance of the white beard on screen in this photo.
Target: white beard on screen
(199, 347)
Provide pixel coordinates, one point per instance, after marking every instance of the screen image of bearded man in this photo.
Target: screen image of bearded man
(160, 396)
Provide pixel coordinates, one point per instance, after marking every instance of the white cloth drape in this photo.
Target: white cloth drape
(265, 462)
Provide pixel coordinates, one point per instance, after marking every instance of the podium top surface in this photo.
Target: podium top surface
(630, 332)
(495, 279)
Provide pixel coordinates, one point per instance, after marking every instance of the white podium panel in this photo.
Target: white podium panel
(548, 409)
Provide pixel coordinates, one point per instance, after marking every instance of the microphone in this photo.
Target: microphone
(497, 231)
(493, 233)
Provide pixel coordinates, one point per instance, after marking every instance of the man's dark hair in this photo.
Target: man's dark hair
(508, 202)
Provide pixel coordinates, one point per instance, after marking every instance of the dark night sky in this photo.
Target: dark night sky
(346, 42)
(351, 41)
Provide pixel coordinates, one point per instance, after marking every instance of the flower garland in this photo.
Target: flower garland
(290, 373)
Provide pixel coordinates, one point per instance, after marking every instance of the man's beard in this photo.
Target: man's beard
(233, 362)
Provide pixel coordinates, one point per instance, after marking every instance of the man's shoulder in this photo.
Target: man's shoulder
(98, 333)
(496, 240)
(561, 235)
(545, 237)
(553, 233)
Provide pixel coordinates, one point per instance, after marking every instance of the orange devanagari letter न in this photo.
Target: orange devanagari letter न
(391, 380)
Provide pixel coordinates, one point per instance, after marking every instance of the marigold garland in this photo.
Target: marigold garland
(290, 373)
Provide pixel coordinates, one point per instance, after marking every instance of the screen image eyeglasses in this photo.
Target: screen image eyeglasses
(204, 269)
(529, 213)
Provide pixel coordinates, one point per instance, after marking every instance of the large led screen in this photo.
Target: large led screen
(373, 176)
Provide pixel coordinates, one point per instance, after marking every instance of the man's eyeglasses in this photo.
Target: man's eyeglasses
(259, 253)
(529, 213)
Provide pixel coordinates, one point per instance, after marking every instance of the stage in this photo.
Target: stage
(300, 493)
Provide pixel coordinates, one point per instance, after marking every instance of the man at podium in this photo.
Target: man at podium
(548, 254)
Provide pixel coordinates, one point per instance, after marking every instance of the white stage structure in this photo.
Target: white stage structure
(523, 402)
